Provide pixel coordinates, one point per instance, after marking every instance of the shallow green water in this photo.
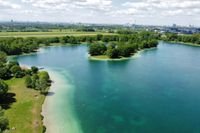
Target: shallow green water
(157, 92)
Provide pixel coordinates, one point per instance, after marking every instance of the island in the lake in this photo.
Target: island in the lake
(123, 46)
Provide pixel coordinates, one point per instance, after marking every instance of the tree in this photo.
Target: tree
(153, 43)
(3, 87)
(35, 79)
(126, 50)
(113, 53)
(29, 82)
(44, 75)
(28, 72)
(3, 57)
(4, 71)
(34, 69)
(12, 63)
(97, 49)
(99, 37)
(43, 86)
(17, 71)
(3, 121)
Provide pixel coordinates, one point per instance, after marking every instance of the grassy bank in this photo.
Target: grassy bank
(106, 58)
(24, 114)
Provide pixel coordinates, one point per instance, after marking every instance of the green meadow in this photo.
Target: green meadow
(53, 33)
(28, 107)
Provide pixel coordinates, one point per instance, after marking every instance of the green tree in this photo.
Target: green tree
(12, 63)
(28, 82)
(3, 57)
(113, 53)
(43, 86)
(35, 79)
(3, 121)
(97, 49)
(3, 87)
(34, 69)
(17, 71)
(4, 71)
(44, 75)
(99, 37)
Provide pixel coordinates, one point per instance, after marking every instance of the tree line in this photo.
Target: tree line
(17, 46)
(194, 38)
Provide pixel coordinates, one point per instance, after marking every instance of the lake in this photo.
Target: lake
(158, 91)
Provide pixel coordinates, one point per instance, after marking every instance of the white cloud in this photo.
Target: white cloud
(103, 11)
(161, 7)
(67, 4)
(7, 4)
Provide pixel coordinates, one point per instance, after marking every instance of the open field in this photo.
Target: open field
(50, 34)
(27, 107)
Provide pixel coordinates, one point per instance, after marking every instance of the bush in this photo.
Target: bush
(3, 121)
(3, 87)
(28, 82)
(34, 69)
(17, 71)
(12, 63)
(3, 57)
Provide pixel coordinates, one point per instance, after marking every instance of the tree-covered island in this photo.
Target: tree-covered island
(123, 45)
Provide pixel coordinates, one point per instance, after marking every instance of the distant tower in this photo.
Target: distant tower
(12, 21)
(174, 25)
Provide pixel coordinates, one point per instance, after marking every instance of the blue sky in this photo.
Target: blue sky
(153, 12)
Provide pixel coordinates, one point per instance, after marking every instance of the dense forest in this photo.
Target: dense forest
(34, 79)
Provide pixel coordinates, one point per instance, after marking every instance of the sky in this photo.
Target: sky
(147, 12)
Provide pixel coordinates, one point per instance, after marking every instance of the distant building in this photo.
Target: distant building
(174, 25)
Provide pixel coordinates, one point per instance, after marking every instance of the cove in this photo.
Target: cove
(156, 92)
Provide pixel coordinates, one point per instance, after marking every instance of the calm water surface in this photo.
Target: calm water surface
(157, 92)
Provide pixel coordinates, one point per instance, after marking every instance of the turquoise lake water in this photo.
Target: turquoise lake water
(155, 92)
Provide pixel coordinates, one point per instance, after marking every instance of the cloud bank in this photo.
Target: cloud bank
(103, 11)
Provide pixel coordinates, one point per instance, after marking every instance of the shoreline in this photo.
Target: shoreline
(43, 109)
(185, 43)
(41, 47)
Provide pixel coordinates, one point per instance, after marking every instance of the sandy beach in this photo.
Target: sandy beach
(59, 116)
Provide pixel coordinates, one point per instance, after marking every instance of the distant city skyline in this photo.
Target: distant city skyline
(145, 12)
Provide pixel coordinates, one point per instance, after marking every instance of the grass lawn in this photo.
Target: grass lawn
(106, 58)
(24, 114)
(50, 34)
(101, 57)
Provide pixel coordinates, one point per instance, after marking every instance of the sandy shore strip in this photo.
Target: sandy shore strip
(59, 116)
